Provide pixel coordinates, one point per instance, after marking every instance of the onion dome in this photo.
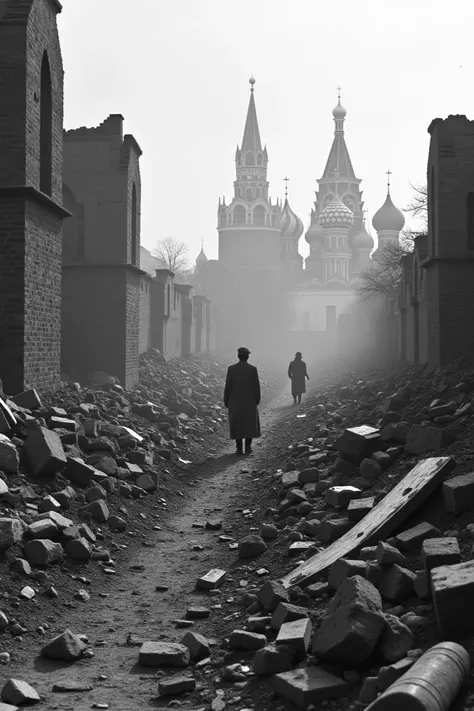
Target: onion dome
(388, 217)
(336, 215)
(201, 258)
(339, 111)
(363, 240)
(315, 233)
(291, 226)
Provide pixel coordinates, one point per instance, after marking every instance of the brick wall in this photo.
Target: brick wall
(104, 338)
(450, 265)
(145, 313)
(30, 223)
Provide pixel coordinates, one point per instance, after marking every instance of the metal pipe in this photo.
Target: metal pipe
(431, 684)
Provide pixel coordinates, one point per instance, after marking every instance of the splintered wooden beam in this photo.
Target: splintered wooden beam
(385, 518)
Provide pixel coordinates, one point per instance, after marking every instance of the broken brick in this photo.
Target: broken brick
(458, 493)
(44, 451)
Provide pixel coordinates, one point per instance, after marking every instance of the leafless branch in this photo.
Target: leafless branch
(172, 254)
(385, 273)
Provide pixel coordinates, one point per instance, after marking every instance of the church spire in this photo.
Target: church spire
(339, 158)
(251, 140)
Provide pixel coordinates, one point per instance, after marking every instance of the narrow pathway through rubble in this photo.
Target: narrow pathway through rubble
(170, 557)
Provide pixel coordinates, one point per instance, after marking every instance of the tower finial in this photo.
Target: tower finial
(388, 174)
(285, 180)
(252, 82)
(339, 94)
(202, 243)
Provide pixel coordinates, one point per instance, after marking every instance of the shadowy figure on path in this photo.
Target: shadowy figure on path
(298, 374)
(241, 398)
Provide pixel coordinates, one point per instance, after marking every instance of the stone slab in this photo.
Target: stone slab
(385, 518)
(212, 580)
(453, 591)
(308, 686)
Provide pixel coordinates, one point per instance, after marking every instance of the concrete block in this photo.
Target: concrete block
(369, 553)
(79, 549)
(273, 660)
(42, 552)
(29, 400)
(396, 583)
(79, 472)
(395, 640)
(176, 685)
(98, 510)
(296, 635)
(340, 496)
(62, 423)
(212, 580)
(358, 508)
(271, 594)
(458, 493)
(170, 654)
(44, 528)
(436, 552)
(44, 452)
(370, 469)
(9, 457)
(285, 612)
(12, 531)
(332, 529)
(345, 568)
(452, 588)
(422, 440)
(311, 685)
(309, 476)
(300, 547)
(197, 644)
(289, 479)
(412, 539)
(387, 554)
(243, 640)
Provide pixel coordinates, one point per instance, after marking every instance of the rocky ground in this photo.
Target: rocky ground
(111, 536)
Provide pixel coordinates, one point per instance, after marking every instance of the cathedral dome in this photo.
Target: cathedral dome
(291, 226)
(201, 258)
(339, 111)
(315, 233)
(388, 217)
(363, 240)
(336, 215)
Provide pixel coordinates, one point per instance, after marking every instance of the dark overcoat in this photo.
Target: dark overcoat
(298, 374)
(242, 397)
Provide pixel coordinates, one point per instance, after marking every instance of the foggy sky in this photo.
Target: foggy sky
(178, 71)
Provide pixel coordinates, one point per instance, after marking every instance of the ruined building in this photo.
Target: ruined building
(31, 210)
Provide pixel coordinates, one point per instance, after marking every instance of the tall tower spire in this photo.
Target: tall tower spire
(339, 158)
(251, 159)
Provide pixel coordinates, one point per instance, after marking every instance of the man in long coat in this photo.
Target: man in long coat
(242, 397)
(298, 374)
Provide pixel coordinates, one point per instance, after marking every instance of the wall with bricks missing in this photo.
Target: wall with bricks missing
(450, 261)
(102, 190)
(31, 212)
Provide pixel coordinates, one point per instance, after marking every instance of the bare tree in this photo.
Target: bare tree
(385, 273)
(173, 256)
(418, 206)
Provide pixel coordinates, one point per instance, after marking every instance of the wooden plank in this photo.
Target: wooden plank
(385, 518)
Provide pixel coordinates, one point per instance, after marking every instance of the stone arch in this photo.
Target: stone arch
(327, 199)
(46, 127)
(240, 217)
(134, 250)
(249, 158)
(259, 216)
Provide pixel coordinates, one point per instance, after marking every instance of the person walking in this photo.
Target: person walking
(241, 398)
(298, 374)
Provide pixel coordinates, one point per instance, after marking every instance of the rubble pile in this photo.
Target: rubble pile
(362, 624)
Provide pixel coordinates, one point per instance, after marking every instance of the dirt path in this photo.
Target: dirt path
(168, 557)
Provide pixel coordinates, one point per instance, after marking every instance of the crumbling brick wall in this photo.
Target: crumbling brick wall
(145, 314)
(450, 262)
(31, 211)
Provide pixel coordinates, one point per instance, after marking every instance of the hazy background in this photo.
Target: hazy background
(178, 72)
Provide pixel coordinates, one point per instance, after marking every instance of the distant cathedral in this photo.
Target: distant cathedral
(260, 277)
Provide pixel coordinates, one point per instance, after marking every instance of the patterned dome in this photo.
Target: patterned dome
(201, 258)
(363, 240)
(336, 215)
(315, 233)
(291, 226)
(388, 217)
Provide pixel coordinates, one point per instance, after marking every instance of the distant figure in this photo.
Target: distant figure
(297, 373)
(242, 397)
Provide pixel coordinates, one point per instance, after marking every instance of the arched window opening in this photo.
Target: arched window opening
(259, 216)
(239, 215)
(259, 159)
(258, 192)
(46, 128)
(248, 195)
(432, 212)
(249, 158)
(134, 225)
(168, 300)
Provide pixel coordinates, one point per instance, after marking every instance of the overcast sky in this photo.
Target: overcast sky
(178, 71)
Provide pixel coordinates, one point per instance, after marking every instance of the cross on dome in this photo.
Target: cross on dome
(286, 180)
